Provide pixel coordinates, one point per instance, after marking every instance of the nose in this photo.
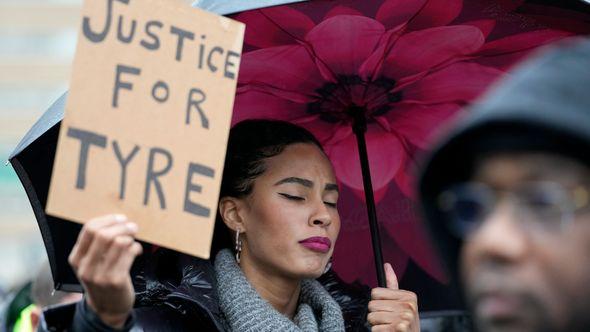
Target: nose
(500, 239)
(320, 215)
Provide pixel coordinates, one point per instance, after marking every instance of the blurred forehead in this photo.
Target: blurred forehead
(504, 170)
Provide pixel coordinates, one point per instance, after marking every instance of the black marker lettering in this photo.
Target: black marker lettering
(182, 34)
(190, 206)
(215, 49)
(195, 98)
(87, 138)
(155, 44)
(122, 85)
(123, 161)
(152, 175)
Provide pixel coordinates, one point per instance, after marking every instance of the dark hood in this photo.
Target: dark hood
(544, 105)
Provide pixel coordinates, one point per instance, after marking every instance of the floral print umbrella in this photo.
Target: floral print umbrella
(402, 67)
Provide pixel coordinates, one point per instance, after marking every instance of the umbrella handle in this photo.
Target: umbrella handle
(359, 128)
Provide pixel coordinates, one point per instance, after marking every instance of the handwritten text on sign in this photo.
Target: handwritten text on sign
(147, 119)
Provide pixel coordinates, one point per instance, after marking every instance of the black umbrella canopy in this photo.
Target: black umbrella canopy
(32, 159)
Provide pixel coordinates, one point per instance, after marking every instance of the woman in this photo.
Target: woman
(277, 211)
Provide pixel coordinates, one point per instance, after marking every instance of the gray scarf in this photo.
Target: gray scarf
(245, 310)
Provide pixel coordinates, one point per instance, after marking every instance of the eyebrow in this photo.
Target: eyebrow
(306, 183)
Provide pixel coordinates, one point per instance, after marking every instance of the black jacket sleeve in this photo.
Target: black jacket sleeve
(78, 317)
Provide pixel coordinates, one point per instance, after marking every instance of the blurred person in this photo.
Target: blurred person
(44, 295)
(38, 294)
(507, 197)
(17, 299)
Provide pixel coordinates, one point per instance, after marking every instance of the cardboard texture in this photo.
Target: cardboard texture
(147, 119)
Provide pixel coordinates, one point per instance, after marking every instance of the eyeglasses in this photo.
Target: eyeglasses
(540, 205)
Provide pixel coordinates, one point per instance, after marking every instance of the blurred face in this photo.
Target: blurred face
(526, 267)
(290, 218)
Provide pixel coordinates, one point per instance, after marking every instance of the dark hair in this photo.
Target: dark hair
(250, 143)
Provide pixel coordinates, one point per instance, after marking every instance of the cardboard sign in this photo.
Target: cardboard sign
(147, 119)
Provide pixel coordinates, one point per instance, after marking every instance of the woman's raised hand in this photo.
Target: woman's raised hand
(392, 309)
(102, 258)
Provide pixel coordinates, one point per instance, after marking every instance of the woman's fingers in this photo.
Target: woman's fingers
(381, 321)
(393, 294)
(381, 317)
(392, 309)
(102, 258)
(403, 326)
(389, 305)
(102, 239)
(390, 277)
(87, 234)
(119, 247)
(126, 257)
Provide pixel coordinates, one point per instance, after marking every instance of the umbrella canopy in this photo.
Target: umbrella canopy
(32, 160)
(408, 65)
(404, 68)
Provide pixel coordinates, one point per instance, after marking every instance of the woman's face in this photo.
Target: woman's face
(290, 217)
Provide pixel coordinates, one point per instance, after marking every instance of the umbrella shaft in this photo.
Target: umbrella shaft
(359, 130)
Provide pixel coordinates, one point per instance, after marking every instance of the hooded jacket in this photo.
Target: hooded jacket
(543, 106)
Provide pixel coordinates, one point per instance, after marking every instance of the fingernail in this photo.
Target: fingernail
(132, 227)
(120, 217)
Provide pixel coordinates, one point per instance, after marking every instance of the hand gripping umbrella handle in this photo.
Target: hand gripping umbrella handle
(359, 128)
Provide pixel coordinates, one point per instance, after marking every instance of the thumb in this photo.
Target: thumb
(390, 277)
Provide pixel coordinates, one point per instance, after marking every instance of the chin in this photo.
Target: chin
(311, 269)
(312, 273)
(512, 325)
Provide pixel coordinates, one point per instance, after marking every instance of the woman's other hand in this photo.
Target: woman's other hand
(392, 309)
(102, 258)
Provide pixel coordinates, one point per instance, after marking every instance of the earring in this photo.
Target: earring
(238, 246)
(328, 266)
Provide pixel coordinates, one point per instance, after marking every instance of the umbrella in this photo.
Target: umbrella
(373, 79)
(287, 66)
(32, 160)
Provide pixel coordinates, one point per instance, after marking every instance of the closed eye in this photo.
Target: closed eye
(291, 197)
(332, 205)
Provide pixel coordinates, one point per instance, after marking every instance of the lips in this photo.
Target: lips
(495, 306)
(317, 244)
(493, 294)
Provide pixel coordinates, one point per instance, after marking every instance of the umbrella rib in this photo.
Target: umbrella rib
(309, 47)
(258, 84)
(279, 26)
(296, 38)
(302, 41)
(402, 28)
(386, 50)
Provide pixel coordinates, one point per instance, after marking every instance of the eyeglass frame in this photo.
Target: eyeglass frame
(578, 195)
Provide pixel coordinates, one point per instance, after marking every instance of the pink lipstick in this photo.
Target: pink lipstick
(317, 243)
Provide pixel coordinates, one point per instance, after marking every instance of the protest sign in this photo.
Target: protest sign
(147, 119)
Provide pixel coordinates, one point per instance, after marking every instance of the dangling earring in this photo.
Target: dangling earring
(328, 266)
(238, 246)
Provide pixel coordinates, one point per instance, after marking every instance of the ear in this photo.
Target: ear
(231, 211)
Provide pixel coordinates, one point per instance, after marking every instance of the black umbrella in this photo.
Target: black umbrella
(32, 160)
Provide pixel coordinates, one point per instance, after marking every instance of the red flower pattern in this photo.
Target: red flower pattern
(410, 65)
